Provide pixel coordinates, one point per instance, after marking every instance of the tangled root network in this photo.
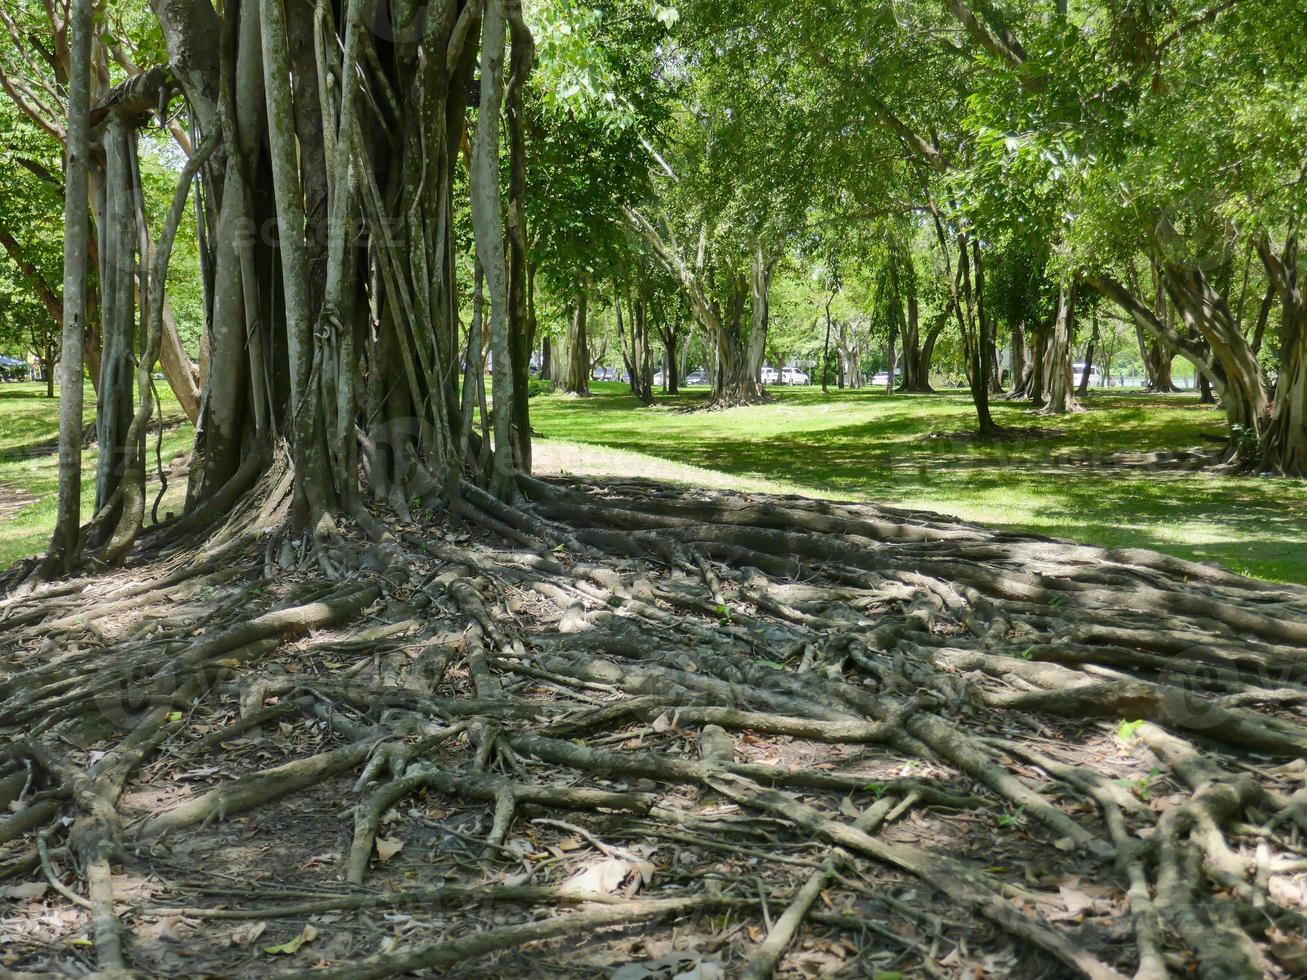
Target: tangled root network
(628, 730)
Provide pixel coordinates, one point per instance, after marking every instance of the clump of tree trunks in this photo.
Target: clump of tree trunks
(591, 666)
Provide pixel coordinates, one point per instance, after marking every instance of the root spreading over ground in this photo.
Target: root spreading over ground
(634, 731)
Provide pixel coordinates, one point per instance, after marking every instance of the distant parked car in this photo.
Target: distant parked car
(881, 379)
(699, 377)
(1095, 378)
(768, 376)
(794, 376)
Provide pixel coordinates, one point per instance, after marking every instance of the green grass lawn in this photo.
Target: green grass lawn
(915, 451)
(29, 430)
(905, 450)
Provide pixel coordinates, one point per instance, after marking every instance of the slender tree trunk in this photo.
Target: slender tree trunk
(293, 251)
(519, 274)
(1083, 388)
(825, 347)
(488, 222)
(63, 544)
(975, 332)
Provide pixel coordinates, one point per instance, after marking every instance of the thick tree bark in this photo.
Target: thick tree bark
(576, 374)
(236, 403)
(1059, 385)
(1018, 358)
(1283, 446)
(1238, 377)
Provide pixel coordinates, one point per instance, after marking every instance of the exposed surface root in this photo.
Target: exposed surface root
(631, 730)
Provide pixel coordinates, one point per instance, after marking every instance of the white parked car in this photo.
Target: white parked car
(768, 376)
(1095, 378)
(699, 377)
(793, 376)
(881, 379)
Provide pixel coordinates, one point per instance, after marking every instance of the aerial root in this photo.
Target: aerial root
(490, 940)
(610, 636)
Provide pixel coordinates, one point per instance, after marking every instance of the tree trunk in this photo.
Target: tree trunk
(118, 274)
(63, 543)
(760, 292)
(488, 222)
(1018, 358)
(576, 377)
(1058, 383)
(825, 347)
(520, 276)
(671, 361)
(976, 335)
(1239, 378)
(1083, 389)
(1283, 446)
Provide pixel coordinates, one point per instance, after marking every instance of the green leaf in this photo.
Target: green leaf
(1127, 730)
(291, 946)
(665, 15)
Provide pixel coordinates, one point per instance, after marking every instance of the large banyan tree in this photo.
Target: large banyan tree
(573, 665)
(325, 144)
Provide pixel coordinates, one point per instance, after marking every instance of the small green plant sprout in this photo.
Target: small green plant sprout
(1013, 819)
(1143, 786)
(1126, 730)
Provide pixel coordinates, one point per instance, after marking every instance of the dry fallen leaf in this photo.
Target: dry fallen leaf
(247, 934)
(605, 877)
(388, 847)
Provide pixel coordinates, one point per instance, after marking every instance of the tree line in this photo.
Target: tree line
(379, 219)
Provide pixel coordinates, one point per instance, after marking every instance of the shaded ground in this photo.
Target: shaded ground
(912, 450)
(621, 730)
